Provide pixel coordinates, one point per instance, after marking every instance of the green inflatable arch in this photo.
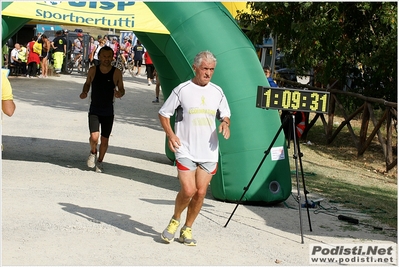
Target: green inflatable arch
(197, 26)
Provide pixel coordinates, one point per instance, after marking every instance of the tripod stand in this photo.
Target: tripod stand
(292, 126)
(298, 158)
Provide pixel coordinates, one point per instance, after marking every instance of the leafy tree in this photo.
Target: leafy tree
(337, 39)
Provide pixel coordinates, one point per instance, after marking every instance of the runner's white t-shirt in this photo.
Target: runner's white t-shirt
(195, 120)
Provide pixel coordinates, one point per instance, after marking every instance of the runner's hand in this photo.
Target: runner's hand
(118, 94)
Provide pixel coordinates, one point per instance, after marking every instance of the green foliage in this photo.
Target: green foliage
(337, 39)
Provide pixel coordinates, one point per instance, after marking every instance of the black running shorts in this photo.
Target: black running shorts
(106, 124)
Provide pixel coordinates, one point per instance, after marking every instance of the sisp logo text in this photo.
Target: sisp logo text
(105, 5)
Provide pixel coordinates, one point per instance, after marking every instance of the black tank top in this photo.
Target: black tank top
(102, 93)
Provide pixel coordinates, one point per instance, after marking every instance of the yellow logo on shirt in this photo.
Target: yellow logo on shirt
(203, 101)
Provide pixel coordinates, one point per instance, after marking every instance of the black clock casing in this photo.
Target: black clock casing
(292, 99)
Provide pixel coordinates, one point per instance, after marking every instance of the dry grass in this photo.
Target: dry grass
(343, 147)
(359, 183)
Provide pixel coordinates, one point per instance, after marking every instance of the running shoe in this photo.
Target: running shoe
(155, 101)
(99, 167)
(186, 237)
(91, 160)
(169, 233)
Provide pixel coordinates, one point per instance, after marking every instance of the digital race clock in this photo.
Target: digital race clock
(292, 99)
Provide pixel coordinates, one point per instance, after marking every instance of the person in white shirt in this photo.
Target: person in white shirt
(101, 44)
(14, 53)
(15, 60)
(198, 103)
(78, 49)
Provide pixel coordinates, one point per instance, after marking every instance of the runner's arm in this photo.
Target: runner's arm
(118, 80)
(87, 84)
(173, 140)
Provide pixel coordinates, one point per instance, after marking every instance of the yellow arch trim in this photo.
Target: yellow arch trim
(132, 16)
(232, 7)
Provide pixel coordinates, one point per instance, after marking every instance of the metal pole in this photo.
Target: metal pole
(296, 175)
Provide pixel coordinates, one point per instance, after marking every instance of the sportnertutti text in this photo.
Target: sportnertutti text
(367, 254)
(124, 20)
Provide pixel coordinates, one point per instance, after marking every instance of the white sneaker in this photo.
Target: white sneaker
(91, 160)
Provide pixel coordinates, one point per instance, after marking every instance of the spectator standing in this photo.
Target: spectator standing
(33, 58)
(46, 45)
(131, 38)
(5, 51)
(68, 49)
(106, 40)
(138, 52)
(96, 42)
(157, 87)
(149, 68)
(92, 48)
(78, 49)
(59, 45)
(101, 44)
(22, 54)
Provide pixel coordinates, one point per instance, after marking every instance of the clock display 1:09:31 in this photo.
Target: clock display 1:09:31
(296, 100)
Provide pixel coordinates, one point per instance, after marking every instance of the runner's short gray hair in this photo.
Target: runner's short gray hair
(204, 55)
